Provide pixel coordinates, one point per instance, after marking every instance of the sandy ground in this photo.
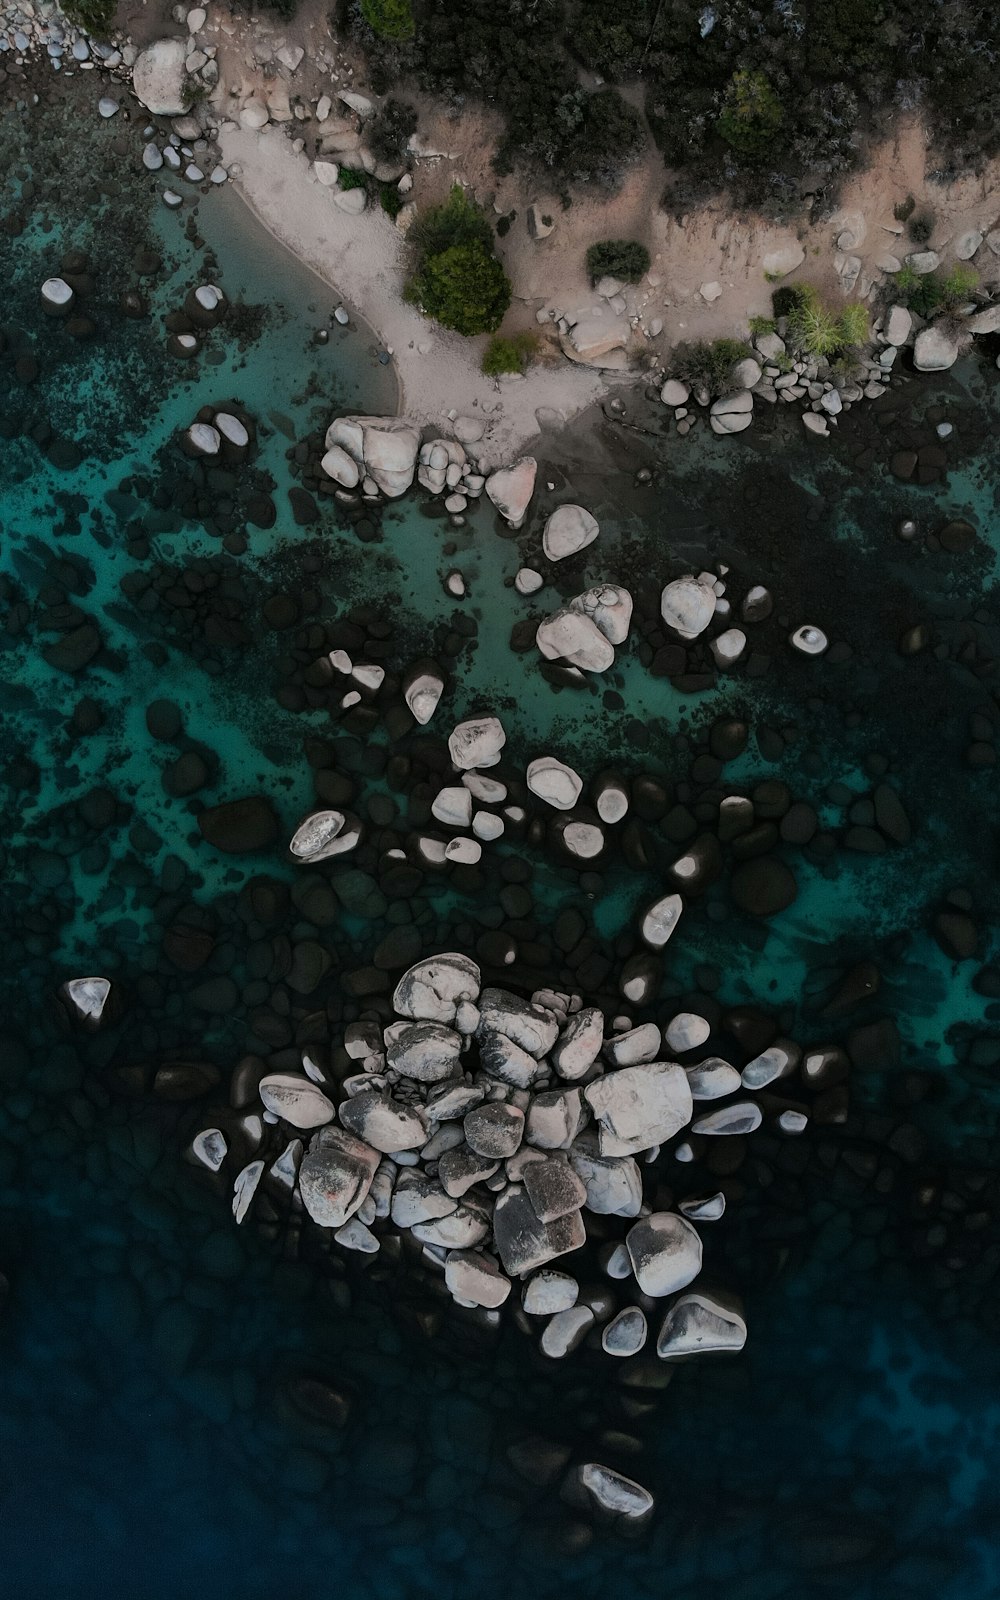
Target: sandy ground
(364, 259)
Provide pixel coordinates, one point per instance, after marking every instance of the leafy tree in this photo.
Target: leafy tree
(389, 19)
(458, 280)
(625, 259)
(464, 288)
(751, 113)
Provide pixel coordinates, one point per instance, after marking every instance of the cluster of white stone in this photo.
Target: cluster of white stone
(488, 1126)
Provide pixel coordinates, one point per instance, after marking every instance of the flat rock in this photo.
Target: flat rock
(335, 1176)
(158, 77)
(475, 1279)
(700, 1324)
(523, 1242)
(387, 1126)
(510, 489)
(296, 1100)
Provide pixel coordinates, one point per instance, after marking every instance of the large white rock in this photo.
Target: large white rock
(158, 77)
(554, 782)
(555, 1118)
(341, 467)
(665, 1252)
(701, 1324)
(57, 296)
(778, 263)
(934, 349)
(296, 1100)
(898, 325)
(569, 635)
(686, 1031)
(323, 834)
(476, 743)
(523, 1242)
(433, 989)
(688, 605)
(424, 1051)
(335, 1176)
(610, 607)
(613, 1183)
(638, 1107)
(532, 1027)
(87, 998)
(660, 920)
(475, 1279)
(378, 1120)
(568, 530)
(383, 448)
(614, 1494)
(566, 1330)
(579, 1043)
(510, 489)
(985, 321)
(422, 689)
(635, 1045)
(548, 1293)
(731, 413)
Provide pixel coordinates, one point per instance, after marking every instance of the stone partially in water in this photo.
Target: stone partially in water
(665, 1251)
(335, 1176)
(296, 1100)
(569, 530)
(701, 1324)
(433, 989)
(639, 1107)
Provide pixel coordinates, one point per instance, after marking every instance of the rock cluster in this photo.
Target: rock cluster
(487, 1127)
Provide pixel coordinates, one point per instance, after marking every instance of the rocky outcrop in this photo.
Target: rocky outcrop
(159, 77)
(384, 450)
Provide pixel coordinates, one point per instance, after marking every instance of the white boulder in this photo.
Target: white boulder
(688, 605)
(477, 742)
(639, 1107)
(554, 782)
(510, 489)
(665, 1252)
(568, 530)
(159, 76)
(383, 448)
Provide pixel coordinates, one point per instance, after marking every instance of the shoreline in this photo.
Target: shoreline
(361, 259)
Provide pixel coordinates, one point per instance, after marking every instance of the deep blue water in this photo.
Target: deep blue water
(155, 1438)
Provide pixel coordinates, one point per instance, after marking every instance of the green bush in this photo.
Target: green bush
(508, 354)
(817, 330)
(921, 227)
(390, 199)
(625, 259)
(391, 20)
(931, 292)
(389, 129)
(709, 365)
(352, 178)
(95, 17)
(751, 113)
(458, 280)
(761, 325)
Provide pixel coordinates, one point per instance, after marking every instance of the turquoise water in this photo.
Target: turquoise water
(156, 1435)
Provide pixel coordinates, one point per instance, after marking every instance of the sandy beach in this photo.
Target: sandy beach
(364, 260)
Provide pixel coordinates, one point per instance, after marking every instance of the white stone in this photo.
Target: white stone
(566, 1331)
(296, 1100)
(639, 1107)
(523, 1242)
(475, 1279)
(569, 529)
(245, 1188)
(710, 291)
(377, 1119)
(353, 201)
(528, 581)
(808, 640)
(422, 690)
(898, 325)
(210, 1148)
(384, 448)
(158, 77)
(254, 115)
(570, 635)
(934, 349)
(747, 372)
(665, 1251)
(609, 606)
(204, 439)
(700, 1324)
(626, 1333)
(686, 1031)
(326, 172)
(778, 1061)
(453, 806)
(88, 997)
(613, 1183)
(432, 989)
(731, 413)
(635, 1045)
(660, 920)
(57, 293)
(582, 839)
(675, 393)
(728, 647)
(579, 1043)
(708, 1208)
(465, 851)
(335, 1176)
(548, 1293)
(554, 782)
(317, 836)
(477, 742)
(780, 262)
(741, 1117)
(107, 107)
(986, 321)
(510, 489)
(923, 261)
(688, 605)
(712, 1079)
(232, 429)
(152, 160)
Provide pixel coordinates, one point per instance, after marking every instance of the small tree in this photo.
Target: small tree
(751, 114)
(391, 20)
(464, 288)
(625, 259)
(818, 330)
(510, 354)
(458, 280)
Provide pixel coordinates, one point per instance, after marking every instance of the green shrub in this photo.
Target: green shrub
(761, 325)
(751, 114)
(391, 20)
(931, 292)
(625, 259)
(390, 199)
(904, 209)
(817, 330)
(95, 17)
(921, 227)
(709, 365)
(509, 354)
(458, 280)
(352, 178)
(389, 129)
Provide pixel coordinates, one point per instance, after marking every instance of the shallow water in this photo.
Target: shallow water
(152, 1444)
